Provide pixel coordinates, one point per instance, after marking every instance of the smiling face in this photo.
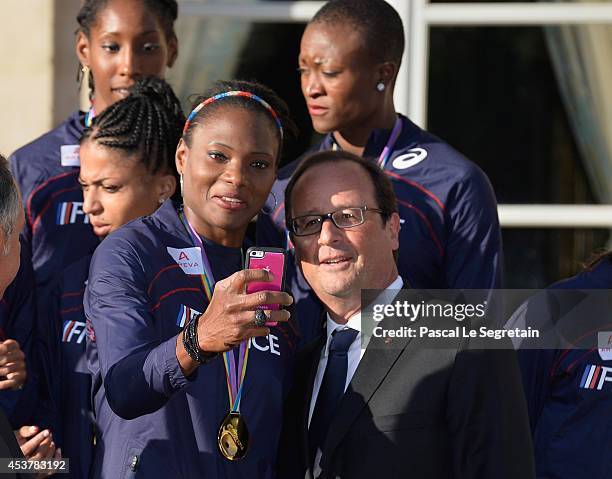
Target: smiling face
(228, 170)
(126, 42)
(338, 78)
(117, 189)
(338, 263)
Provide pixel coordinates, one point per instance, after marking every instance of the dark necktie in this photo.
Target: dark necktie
(332, 388)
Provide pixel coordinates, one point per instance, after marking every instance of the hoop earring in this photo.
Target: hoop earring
(271, 210)
(181, 184)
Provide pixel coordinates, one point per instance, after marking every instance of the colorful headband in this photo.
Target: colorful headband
(246, 94)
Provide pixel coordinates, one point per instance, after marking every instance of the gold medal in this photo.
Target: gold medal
(233, 437)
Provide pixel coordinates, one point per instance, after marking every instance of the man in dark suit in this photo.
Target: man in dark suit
(367, 406)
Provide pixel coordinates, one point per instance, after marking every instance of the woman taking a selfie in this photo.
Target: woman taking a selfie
(174, 328)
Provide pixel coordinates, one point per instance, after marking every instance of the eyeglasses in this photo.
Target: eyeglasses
(344, 218)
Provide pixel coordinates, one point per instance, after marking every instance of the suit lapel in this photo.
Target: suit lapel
(380, 356)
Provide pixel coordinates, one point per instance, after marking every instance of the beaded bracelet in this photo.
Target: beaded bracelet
(191, 344)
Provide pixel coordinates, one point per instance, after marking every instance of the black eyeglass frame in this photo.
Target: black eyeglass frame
(330, 216)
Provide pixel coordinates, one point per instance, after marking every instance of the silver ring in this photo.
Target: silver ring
(260, 318)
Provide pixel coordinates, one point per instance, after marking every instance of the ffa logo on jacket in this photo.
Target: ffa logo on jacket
(185, 315)
(73, 332)
(70, 212)
(595, 377)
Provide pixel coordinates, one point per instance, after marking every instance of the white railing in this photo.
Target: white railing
(517, 13)
(297, 12)
(555, 216)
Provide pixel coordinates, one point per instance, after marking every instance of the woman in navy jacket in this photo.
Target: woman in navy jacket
(159, 320)
(127, 171)
(567, 375)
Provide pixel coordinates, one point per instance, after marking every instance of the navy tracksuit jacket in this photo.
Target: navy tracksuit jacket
(569, 391)
(152, 421)
(57, 232)
(65, 368)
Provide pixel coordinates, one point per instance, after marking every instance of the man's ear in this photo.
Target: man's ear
(82, 48)
(393, 227)
(296, 252)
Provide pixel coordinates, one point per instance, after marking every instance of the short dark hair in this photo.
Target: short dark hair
(166, 11)
(262, 91)
(383, 189)
(148, 122)
(9, 202)
(378, 22)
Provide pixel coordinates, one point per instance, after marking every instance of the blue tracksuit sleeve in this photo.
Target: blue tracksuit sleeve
(473, 254)
(134, 360)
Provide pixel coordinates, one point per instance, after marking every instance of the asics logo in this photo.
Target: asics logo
(412, 158)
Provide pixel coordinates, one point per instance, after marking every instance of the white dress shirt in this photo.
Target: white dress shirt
(356, 349)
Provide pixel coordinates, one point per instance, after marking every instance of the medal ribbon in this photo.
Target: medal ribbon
(235, 383)
(388, 149)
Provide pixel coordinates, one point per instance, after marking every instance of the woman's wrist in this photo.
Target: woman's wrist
(188, 352)
(192, 345)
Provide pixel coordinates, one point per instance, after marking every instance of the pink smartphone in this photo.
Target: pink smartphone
(274, 261)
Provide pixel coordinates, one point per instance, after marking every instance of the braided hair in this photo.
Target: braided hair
(245, 103)
(166, 11)
(148, 123)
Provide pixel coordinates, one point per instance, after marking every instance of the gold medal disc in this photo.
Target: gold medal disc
(233, 437)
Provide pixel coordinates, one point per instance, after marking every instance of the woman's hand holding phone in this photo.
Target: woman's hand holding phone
(229, 318)
(272, 260)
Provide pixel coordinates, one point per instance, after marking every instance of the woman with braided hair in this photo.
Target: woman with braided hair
(127, 171)
(174, 329)
(117, 42)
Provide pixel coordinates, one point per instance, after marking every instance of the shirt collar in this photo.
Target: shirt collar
(354, 321)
